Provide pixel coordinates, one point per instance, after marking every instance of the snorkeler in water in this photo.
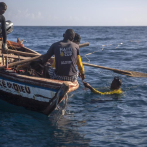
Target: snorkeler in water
(114, 88)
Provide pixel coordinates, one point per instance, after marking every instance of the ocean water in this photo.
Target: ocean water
(90, 120)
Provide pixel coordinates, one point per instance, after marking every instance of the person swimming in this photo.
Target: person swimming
(115, 87)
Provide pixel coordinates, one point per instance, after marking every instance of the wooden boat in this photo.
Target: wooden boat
(32, 92)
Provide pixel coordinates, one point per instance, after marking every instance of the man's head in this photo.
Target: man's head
(77, 38)
(3, 8)
(69, 35)
(116, 84)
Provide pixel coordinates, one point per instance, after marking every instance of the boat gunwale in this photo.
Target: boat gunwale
(45, 82)
(38, 81)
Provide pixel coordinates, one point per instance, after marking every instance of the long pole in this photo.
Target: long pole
(124, 72)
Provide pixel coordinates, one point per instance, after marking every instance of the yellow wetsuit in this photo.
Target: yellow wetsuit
(119, 91)
(79, 64)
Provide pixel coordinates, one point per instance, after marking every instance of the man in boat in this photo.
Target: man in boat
(114, 88)
(76, 40)
(3, 8)
(67, 55)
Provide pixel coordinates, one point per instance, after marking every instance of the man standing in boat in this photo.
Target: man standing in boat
(66, 57)
(3, 8)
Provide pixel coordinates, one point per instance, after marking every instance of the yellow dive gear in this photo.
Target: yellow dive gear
(119, 91)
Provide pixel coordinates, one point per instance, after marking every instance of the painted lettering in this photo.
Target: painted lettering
(4, 84)
(22, 89)
(9, 85)
(15, 86)
(27, 89)
(0, 83)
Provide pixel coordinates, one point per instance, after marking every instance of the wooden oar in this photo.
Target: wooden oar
(36, 54)
(28, 60)
(124, 72)
(22, 53)
(32, 51)
(22, 62)
(14, 56)
(84, 44)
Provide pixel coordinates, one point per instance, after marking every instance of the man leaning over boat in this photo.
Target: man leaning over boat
(67, 56)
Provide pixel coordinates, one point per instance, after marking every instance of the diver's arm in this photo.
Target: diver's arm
(87, 85)
(119, 91)
(95, 91)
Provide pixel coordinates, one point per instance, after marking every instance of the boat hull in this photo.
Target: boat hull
(34, 94)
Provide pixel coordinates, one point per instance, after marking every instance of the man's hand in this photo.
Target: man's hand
(82, 76)
(87, 85)
(4, 48)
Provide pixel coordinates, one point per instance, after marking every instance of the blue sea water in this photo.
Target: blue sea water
(90, 120)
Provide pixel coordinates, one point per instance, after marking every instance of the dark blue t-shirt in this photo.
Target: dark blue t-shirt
(66, 54)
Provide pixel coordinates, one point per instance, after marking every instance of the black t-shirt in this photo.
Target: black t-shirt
(3, 27)
(65, 56)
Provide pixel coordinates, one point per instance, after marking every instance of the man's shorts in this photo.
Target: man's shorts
(52, 74)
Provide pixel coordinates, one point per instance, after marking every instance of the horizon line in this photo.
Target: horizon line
(80, 26)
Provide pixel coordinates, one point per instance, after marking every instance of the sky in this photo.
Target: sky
(77, 12)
